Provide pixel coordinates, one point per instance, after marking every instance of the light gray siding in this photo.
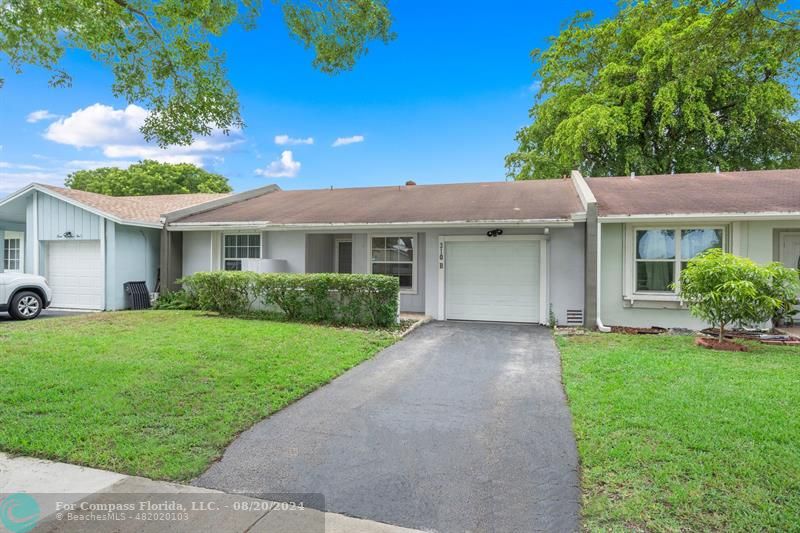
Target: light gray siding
(360, 253)
(566, 270)
(319, 253)
(133, 255)
(758, 240)
(287, 245)
(196, 252)
(30, 236)
(57, 217)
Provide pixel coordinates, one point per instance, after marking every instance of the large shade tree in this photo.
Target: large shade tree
(162, 55)
(666, 86)
(148, 177)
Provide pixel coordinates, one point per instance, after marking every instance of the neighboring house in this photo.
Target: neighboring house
(86, 245)
(587, 251)
(649, 226)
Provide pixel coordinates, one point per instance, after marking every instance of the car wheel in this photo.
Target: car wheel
(25, 305)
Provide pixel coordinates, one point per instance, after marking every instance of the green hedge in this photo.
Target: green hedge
(346, 299)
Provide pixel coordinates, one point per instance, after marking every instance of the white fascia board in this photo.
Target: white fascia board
(18, 194)
(216, 226)
(701, 217)
(96, 211)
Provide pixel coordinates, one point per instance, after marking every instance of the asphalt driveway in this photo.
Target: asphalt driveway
(459, 427)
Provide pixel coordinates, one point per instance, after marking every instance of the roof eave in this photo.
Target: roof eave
(657, 217)
(266, 225)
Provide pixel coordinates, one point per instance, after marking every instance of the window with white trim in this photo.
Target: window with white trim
(240, 246)
(12, 252)
(394, 256)
(661, 254)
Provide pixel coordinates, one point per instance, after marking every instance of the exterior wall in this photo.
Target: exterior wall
(30, 237)
(196, 252)
(319, 253)
(758, 240)
(360, 253)
(132, 255)
(614, 310)
(314, 252)
(287, 245)
(565, 267)
(55, 217)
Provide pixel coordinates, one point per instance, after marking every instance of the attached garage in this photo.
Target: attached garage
(74, 270)
(494, 279)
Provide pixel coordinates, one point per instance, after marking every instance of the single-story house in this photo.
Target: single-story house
(87, 245)
(592, 251)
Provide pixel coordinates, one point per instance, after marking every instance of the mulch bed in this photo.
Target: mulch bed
(714, 344)
(653, 330)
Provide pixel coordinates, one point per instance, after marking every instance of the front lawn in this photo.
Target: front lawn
(158, 393)
(678, 438)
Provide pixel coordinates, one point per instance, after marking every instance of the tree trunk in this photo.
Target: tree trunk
(721, 329)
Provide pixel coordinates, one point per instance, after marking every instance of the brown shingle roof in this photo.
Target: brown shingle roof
(144, 209)
(464, 202)
(763, 191)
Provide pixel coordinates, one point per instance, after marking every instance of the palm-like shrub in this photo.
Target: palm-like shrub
(724, 289)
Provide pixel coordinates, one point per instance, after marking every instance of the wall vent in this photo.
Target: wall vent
(574, 317)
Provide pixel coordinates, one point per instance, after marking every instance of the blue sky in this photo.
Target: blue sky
(440, 104)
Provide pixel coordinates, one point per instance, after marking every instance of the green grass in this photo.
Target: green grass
(677, 438)
(158, 393)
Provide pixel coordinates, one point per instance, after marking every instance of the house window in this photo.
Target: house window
(394, 256)
(661, 254)
(238, 247)
(12, 253)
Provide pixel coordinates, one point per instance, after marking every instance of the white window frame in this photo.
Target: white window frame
(223, 258)
(630, 292)
(412, 235)
(9, 235)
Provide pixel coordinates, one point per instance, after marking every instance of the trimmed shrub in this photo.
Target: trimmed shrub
(724, 289)
(346, 299)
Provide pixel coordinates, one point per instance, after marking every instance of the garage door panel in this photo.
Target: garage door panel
(493, 281)
(75, 273)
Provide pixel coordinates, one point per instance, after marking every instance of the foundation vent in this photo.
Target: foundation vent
(574, 317)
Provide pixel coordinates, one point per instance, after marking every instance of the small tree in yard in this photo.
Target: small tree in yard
(724, 289)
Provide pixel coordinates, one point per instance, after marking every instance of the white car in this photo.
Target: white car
(24, 296)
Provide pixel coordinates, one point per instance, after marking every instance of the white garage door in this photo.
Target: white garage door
(492, 280)
(75, 273)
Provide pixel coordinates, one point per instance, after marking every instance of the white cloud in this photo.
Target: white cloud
(116, 133)
(39, 115)
(285, 140)
(12, 181)
(91, 164)
(19, 166)
(285, 167)
(343, 141)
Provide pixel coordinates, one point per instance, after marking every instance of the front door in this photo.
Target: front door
(344, 257)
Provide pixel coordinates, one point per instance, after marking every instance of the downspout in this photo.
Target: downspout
(600, 326)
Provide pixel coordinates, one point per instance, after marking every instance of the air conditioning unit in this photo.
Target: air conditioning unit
(265, 266)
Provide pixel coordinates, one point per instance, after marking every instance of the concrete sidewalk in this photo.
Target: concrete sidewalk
(63, 497)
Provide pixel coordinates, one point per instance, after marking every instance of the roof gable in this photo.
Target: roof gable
(134, 210)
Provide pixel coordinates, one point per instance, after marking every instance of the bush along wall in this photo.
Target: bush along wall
(344, 299)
